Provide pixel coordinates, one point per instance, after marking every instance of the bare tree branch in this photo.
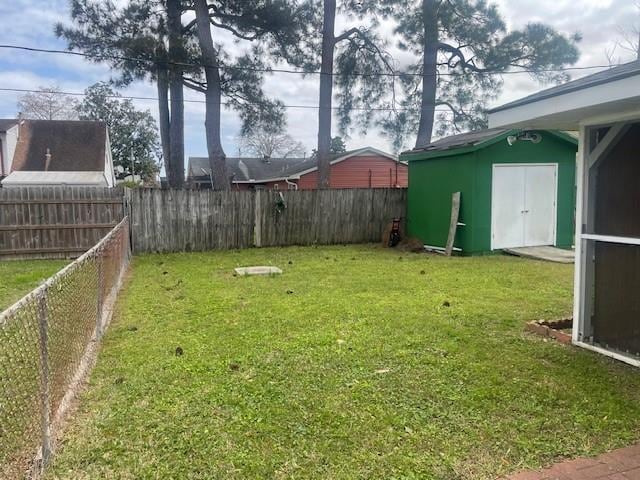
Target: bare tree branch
(49, 103)
(263, 143)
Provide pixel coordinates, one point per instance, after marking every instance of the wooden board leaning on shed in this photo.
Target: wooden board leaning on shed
(453, 227)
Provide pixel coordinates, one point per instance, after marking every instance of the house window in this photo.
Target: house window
(292, 186)
(276, 186)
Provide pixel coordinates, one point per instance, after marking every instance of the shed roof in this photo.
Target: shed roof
(74, 146)
(471, 141)
(463, 140)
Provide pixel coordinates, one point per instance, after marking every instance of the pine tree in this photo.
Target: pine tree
(347, 63)
(463, 46)
(270, 32)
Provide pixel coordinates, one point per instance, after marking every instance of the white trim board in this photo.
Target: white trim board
(568, 110)
(611, 239)
(609, 119)
(609, 353)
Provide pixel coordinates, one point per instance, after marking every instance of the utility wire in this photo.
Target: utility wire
(309, 107)
(280, 70)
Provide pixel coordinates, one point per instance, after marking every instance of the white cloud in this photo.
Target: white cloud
(30, 22)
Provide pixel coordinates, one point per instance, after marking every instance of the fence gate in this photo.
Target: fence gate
(56, 222)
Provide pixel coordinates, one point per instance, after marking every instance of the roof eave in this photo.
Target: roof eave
(571, 109)
(539, 97)
(564, 136)
(412, 156)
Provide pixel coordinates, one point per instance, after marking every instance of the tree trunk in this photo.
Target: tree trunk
(163, 110)
(175, 172)
(213, 95)
(326, 94)
(429, 72)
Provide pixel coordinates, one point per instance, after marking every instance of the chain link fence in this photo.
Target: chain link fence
(47, 345)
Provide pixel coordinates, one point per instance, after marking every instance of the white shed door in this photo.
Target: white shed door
(523, 211)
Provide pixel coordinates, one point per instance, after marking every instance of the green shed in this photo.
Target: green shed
(517, 190)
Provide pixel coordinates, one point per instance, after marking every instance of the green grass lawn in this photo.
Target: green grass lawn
(17, 278)
(357, 362)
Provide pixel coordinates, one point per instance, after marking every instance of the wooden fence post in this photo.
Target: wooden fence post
(127, 210)
(257, 219)
(43, 320)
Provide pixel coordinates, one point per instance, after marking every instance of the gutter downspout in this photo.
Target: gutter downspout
(295, 185)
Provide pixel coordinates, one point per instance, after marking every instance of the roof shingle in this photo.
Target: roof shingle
(74, 146)
(261, 170)
(256, 169)
(7, 123)
(468, 139)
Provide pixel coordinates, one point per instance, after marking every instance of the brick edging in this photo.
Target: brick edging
(551, 329)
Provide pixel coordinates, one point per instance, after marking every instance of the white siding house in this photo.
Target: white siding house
(56, 153)
(8, 141)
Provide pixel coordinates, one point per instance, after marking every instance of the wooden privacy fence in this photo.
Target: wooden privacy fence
(194, 220)
(56, 222)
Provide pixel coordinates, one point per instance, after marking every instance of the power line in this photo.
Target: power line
(309, 107)
(290, 71)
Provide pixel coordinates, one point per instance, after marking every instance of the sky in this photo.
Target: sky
(31, 23)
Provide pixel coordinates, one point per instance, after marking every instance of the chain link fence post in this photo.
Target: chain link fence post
(43, 321)
(100, 296)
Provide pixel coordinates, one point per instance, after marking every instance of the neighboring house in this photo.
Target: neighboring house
(56, 153)
(8, 140)
(517, 189)
(362, 168)
(605, 108)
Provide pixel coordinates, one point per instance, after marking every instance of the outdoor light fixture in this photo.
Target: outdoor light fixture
(530, 137)
(525, 137)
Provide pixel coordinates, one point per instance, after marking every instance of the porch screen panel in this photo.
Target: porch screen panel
(616, 302)
(618, 189)
(616, 314)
